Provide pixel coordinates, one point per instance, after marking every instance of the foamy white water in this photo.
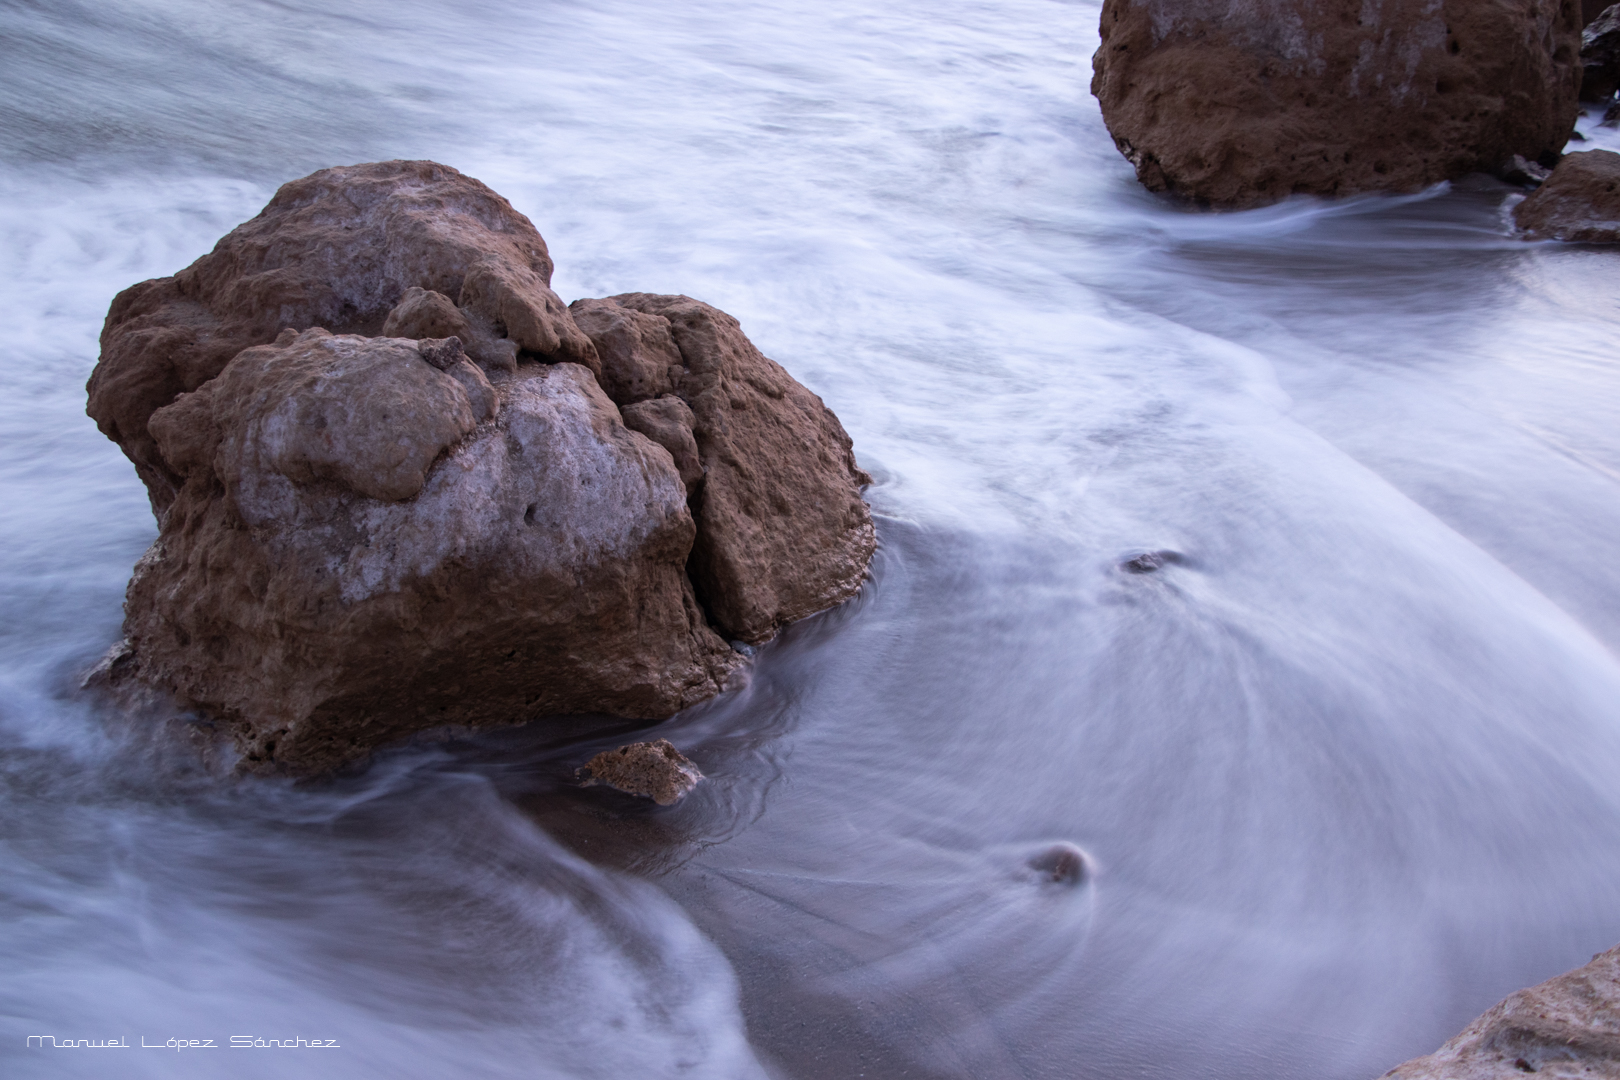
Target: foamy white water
(1344, 771)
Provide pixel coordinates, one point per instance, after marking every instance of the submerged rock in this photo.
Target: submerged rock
(1580, 201)
(368, 534)
(1061, 864)
(654, 770)
(1151, 561)
(1568, 1026)
(1236, 105)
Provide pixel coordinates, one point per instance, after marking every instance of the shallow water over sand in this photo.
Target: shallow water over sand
(1343, 769)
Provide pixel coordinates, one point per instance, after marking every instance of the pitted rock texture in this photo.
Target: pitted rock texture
(1236, 103)
(1580, 201)
(782, 531)
(417, 522)
(1566, 1027)
(654, 770)
(345, 249)
(355, 554)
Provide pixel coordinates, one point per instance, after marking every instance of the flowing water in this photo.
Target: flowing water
(1343, 766)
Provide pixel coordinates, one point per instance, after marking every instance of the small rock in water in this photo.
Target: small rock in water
(1149, 561)
(1061, 864)
(655, 770)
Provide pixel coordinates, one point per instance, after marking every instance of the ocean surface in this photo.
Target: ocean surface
(1343, 768)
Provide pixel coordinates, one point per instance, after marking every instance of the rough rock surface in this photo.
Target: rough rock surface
(654, 770)
(339, 249)
(357, 553)
(1600, 57)
(417, 523)
(1591, 9)
(1568, 1026)
(1235, 103)
(1580, 201)
(668, 422)
(642, 359)
(782, 531)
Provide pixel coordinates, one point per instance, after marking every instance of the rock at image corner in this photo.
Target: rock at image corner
(372, 533)
(1234, 105)
(1567, 1027)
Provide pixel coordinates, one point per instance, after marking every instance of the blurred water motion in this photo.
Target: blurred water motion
(1235, 694)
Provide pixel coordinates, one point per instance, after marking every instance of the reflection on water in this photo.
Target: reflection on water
(1235, 693)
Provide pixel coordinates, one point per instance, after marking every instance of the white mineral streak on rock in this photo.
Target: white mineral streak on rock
(545, 453)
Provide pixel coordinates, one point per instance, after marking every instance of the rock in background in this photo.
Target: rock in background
(438, 517)
(1235, 103)
(1565, 1027)
(1600, 57)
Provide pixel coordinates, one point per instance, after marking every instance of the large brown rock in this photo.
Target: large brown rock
(358, 551)
(1232, 104)
(416, 523)
(338, 249)
(782, 531)
(1580, 201)
(1565, 1027)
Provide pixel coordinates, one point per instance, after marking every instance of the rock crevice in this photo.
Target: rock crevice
(781, 528)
